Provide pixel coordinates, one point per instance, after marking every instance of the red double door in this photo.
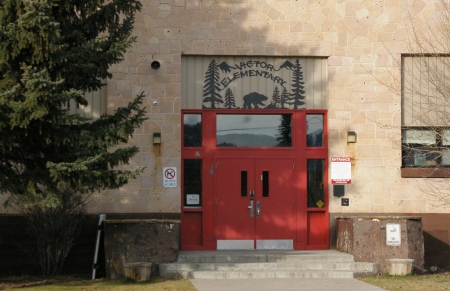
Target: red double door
(254, 203)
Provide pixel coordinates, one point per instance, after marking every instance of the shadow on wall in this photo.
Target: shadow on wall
(437, 251)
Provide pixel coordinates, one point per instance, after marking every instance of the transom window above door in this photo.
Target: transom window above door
(254, 130)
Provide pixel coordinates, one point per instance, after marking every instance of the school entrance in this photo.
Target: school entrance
(254, 152)
(254, 179)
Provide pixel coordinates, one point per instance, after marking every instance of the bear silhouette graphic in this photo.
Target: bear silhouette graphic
(254, 99)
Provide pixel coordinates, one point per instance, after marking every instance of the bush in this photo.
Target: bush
(53, 229)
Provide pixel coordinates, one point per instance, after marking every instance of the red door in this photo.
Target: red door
(254, 203)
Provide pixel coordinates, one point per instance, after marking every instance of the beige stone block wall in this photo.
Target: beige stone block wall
(363, 41)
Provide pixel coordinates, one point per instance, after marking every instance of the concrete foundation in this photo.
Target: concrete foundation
(130, 241)
(365, 239)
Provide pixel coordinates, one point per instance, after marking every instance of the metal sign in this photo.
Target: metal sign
(341, 170)
(170, 176)
(393, 237)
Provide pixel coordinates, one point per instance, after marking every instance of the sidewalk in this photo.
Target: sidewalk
(304, 284)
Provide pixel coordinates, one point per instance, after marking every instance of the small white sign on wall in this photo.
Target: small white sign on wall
(192, 199)
(341, 170)
(170, 177)
(393, 237)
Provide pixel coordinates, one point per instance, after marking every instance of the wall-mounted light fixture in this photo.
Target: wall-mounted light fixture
(155, 65)
(156, 138)
(351, 136)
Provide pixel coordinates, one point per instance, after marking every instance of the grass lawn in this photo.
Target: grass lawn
(434, 282)
(426, 282)
(69, 284)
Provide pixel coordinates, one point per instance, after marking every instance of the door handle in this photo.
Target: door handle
(251, 209)
(258, 209)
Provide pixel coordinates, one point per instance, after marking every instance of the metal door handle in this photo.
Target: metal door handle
(251, 209)
(258, 210)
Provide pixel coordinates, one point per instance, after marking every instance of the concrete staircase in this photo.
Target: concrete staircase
(264, 264)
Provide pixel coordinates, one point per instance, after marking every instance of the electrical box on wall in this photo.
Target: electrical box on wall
(345, 202)
(338, 190)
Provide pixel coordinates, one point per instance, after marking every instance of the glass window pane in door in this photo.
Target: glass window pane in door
(192, 170)
(315, 174)
(192, 130)
(314, 130)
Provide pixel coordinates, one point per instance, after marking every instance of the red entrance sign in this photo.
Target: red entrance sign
(341, 170)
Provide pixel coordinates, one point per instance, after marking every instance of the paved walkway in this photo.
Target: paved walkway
(304, 284)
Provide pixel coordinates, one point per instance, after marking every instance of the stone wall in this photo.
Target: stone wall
(365, 239)
(140, 240)
(363, 42)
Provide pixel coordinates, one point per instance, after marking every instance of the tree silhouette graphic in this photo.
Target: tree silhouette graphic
(284, 98)
(229, 99)
(276, 96)
(298, 85)
(211, 85)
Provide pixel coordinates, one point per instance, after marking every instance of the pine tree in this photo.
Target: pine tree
(276, 96)
(51, 51)
(284, 136)
(229, 99)
(284, 97)
(298, 85)
(211, 85)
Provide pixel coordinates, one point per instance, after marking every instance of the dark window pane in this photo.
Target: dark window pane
(253, 130)
(265, 183)
(243, 183)
(315, 183)
(192, 182)
(192, 130)
(314, 130)
(420, 148)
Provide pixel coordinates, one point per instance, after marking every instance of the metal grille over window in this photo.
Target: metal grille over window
(425, 111)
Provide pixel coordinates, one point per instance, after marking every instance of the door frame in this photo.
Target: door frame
(311, 224)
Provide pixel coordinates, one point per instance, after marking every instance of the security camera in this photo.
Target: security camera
(155, 65)
(155, 103)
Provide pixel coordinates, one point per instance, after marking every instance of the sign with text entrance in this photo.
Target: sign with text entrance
(341, 170)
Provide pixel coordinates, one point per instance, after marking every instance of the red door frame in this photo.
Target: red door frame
(311, 225)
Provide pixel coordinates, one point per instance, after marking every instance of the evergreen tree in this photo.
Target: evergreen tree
(229, 99)
(297, 95)
(284, 97)
(284, 136)
(51, 51)
(211, 85)
(276, 96)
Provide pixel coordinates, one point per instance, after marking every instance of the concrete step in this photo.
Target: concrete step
(262, 256)
(348, 266)
(276, 274)
(265, 264)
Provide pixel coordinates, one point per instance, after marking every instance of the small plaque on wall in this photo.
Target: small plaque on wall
(393, 237)
(192, 199)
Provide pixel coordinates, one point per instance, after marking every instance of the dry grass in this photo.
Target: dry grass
(67, 283)
(425, 282)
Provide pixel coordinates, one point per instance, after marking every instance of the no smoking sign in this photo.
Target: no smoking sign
(170, 176)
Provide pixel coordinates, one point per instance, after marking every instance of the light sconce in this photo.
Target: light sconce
(351, 136)
(155, 65)
(156, 138)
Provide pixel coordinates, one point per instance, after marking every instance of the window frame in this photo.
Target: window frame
(434, 167)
